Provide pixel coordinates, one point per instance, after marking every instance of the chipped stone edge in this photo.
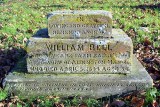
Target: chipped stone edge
(80, 12)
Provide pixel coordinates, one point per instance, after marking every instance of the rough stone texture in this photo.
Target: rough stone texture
(92, 85)
(79, 24)
(78, 55)
(49, 55)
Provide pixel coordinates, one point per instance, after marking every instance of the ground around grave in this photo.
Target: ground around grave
(139, 19)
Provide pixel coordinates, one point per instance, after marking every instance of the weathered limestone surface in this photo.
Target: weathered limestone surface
(93, 85)
(79, 24)
(79, 55)
(49, 55)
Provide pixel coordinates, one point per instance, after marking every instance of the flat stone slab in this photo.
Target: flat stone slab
(79, 24)
(92, 56)
(91, 85)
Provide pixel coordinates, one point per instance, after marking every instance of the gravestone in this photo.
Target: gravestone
(82, 56)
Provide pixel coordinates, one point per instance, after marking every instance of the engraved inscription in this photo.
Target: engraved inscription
(65, 29)
(81, 86)
(82, 56)
(59, 47)
(86, 25)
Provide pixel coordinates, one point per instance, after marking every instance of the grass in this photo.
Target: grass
(3, 94)
(53, 101)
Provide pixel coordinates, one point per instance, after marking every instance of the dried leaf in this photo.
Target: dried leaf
(50, 97)
(147, 41)
(30, 31)
(155, 104)
(157, 61)
(9, 104)
(1, 105)
(25, 40)
(137, 102)
(38, 100)
(118, 103)
(82, 105)
(32, 105)
(59, 104)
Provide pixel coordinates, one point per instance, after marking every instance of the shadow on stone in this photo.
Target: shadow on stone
(42, 33)
(9, 58)
(21, 65)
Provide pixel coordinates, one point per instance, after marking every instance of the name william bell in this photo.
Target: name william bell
(77, 47)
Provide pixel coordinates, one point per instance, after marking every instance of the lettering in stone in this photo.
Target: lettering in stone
(84, 86)
(74, 62)
(73, 47)
(78, 69)
(64, 47)
(86, 24)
